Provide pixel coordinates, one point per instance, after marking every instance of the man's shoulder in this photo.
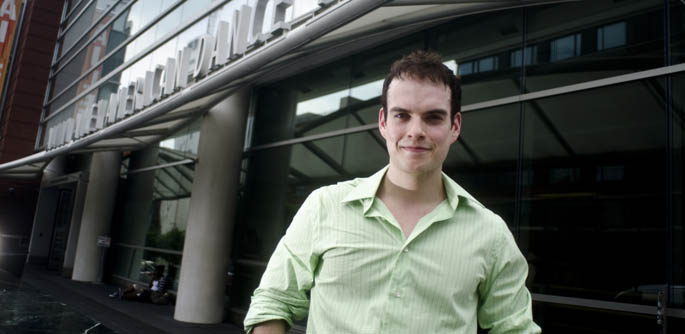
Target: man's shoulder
(336, 192)
(484, 214)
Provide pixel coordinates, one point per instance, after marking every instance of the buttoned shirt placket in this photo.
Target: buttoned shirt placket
(376, 212)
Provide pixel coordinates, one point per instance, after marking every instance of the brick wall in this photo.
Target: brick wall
(26, 86)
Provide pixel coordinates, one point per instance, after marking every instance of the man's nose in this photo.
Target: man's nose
(416, 128)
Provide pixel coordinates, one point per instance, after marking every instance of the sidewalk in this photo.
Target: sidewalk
(121, 316)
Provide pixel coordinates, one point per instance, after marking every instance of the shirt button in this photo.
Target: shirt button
(397, 294)
(406, 249)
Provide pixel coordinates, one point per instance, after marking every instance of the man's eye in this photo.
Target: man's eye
(401, 116)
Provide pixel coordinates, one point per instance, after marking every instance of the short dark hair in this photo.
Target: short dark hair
(424, 65)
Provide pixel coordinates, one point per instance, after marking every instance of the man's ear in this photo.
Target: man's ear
(456, 127)
(381, 122)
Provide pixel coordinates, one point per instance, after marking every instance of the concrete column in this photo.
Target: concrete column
(212, 212)
(97, 214)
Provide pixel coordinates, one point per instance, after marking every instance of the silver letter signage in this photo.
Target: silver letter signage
(247, 30)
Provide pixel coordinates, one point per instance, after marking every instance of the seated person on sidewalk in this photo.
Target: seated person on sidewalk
(161, 296)
(133, 292)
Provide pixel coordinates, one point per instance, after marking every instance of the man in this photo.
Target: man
(406, 250)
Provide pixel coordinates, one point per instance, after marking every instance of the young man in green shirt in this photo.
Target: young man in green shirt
(406, 250)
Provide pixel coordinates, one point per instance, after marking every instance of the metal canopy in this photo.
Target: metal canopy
(27, 172)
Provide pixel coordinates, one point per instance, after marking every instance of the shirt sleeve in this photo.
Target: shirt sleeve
(505, 305)
(283, 290)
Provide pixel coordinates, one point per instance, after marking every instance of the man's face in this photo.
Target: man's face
(418, 131)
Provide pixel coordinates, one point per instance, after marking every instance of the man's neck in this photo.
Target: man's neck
(419, 189)
(410, 197)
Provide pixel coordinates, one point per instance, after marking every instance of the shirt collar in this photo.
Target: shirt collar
(366, 188)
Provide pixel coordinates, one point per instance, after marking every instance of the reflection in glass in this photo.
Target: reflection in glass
(484, 46)
(483, 160)
(130, 23)
(560, 319)
(465, 68)
(74, 11)
(593, 211)
(611, 36)
(337, 96)
(181, 145)
(345, 108)
(90, 56)
(677, 296)
(676, 325)
(677, 49)
(487, 64)
(599, 39)
(152, 209)
(530, 56)
(565, 47)
(153, 205)
(80, 25)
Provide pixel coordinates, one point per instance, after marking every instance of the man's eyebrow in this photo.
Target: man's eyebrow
(434, 111)
(441, 112)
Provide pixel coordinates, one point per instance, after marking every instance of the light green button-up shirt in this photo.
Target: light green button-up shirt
(346, 253)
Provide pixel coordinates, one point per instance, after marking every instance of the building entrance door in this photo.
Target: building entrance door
(60, 234)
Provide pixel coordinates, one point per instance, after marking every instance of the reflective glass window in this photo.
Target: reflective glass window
(81, 25)
(481, 45)
(484, 158)
(152, 211)
(677, 10)
(677, 296)
(676, 325)
(155, 210)
(182, 145)
(74, 37)
(611, 36)
(466, 68)
(74, 8)
(529, 57)
(116, 33)
(565, 47)
(128, 24)
(153, 206)
(343, 95)
(487, 64)
(107, 41)
(560, 319)
(593, 194)
(588, 40)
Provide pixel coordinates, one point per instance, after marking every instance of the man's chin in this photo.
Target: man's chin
(415, 168)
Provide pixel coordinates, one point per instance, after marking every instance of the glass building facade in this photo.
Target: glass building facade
(572, 132)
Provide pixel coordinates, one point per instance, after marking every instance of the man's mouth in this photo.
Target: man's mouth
(417, 149)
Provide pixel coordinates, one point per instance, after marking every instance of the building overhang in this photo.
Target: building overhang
(349, 25)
